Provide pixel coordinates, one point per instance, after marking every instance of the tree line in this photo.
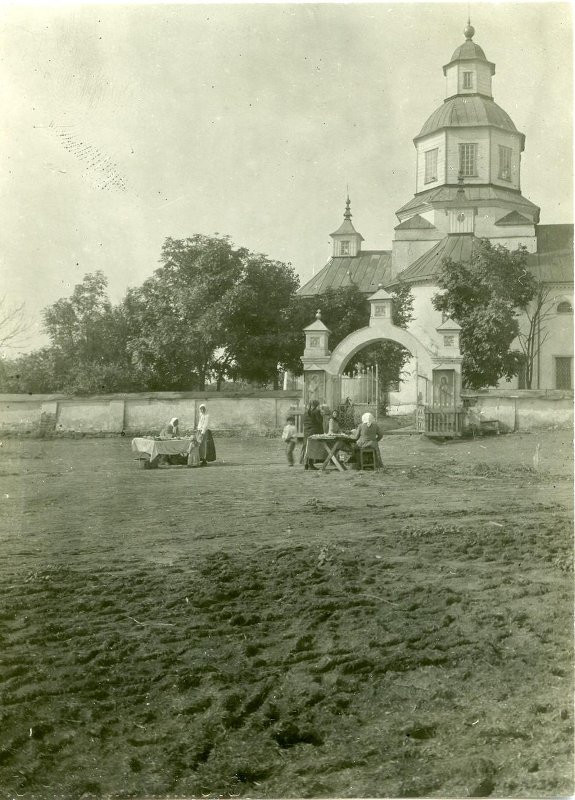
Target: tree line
(212, 313)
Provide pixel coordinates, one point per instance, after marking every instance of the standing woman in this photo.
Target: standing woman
(312, 424)
(205, 438)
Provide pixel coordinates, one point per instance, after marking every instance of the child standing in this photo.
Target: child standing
(289, 435)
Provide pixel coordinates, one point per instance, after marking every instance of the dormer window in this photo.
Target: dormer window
(344, 247)
(468, 80)
(468, 160)
(431, 165)
(504, 163)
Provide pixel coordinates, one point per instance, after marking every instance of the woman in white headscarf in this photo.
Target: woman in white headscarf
(205, 438)
(368, 435)
(171, 429)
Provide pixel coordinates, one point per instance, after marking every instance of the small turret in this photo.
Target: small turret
(346, 240)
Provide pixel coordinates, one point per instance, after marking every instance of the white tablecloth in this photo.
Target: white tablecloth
(163, 447)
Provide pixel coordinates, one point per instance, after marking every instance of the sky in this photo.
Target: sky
(127, 124)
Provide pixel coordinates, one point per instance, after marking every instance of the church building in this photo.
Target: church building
(468, 187)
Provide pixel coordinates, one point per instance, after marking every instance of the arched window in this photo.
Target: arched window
(564, 307)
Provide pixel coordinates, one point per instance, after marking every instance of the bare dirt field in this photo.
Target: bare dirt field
(254, 630)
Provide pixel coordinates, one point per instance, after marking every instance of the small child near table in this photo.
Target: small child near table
(289, 436)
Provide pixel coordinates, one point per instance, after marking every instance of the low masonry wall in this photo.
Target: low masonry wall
(255, 413)
(521, 409)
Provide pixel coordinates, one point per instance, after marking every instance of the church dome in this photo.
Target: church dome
(464, 111)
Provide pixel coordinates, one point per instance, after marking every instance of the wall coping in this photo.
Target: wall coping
(545, 394)
(294, 394)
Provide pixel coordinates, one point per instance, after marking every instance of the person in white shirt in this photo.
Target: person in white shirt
(205, 438)
(289, 435)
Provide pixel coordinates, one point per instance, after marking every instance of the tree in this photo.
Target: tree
(89, 342)
(13, 324)
(484, 297)
(209, 310)
(533, 332)
(343, 311)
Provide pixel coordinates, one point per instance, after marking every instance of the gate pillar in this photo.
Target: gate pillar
(316, 356)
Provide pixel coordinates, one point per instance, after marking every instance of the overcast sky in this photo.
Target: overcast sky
(123, 125)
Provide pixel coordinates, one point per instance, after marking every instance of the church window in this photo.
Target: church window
(468, 159)
(563, 372)
(344, 248)
(468, 80)
(504, 163)
(564, 307)
(431, 165)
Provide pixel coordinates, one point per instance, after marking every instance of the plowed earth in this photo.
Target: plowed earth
(250, 629)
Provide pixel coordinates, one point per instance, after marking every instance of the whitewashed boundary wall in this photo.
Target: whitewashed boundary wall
(257, 413)
(522, 409)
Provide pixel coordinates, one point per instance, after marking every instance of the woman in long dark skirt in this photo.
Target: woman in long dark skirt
(312, 424)
(205, 438)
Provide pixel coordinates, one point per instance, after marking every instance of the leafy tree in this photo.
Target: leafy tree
(89, 343)
(343, 311)
(209, 310)
(484, 296)
(31, 373)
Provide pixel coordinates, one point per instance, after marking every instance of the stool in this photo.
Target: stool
(367, 459)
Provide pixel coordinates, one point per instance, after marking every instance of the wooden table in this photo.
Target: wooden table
(326, 446)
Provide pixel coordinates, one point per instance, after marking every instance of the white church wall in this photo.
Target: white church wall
(484, 79)
(513, 242)
(510, 140)
(436, 141)
(457, 136)
(425, 318)
(451, 81)
(405, 252)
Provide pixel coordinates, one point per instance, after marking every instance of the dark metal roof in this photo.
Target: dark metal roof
(415, 223)
(458, 247)
(442, 194)
(553, 261)
(466, 111)
(367, 270)
(346, 227)
(551, 238)
(468, 51)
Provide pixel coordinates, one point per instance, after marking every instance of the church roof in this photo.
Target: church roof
(440, 194)
(416, 222)
(457, 247)
(553, 261)
(346, 227)
(468, 51)
(367, 270)
(464, 111)
(514, 218)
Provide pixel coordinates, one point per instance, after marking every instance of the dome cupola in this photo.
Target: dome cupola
(346, 240)
(469, 71)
